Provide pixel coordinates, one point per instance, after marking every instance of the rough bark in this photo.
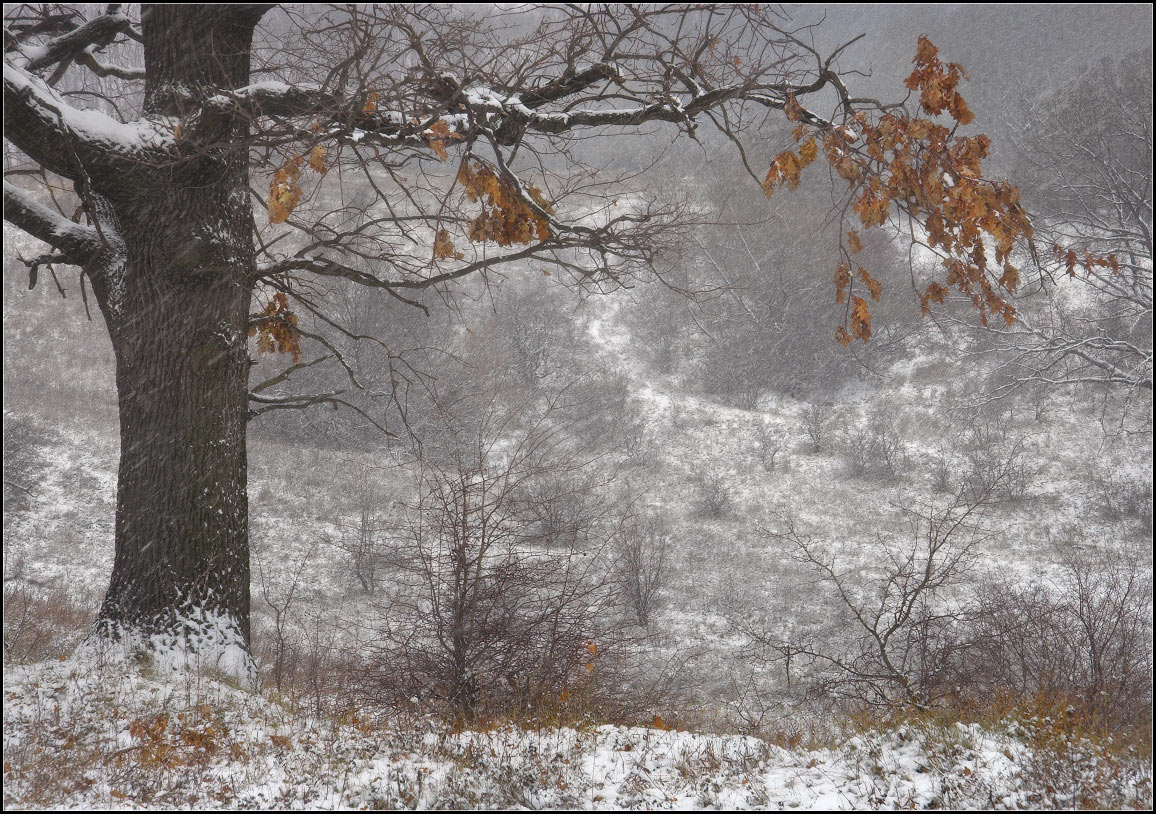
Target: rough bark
(177, 313)
(175, 293)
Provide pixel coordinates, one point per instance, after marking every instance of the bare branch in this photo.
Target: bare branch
(304, 402)
(99, 31)
(76, 244)
(285, 374)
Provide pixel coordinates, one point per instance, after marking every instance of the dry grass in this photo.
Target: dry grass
(41, 624)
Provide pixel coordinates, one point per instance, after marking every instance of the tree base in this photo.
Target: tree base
(192, 640)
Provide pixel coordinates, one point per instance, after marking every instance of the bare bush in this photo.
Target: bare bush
(601, 411)
(643, 544)
(714, 494)
(945, 466)
(902, 628)
(921, 634)
(1124, 495)
(876, 447)
(816, 420)
(855, 447)
(735, 367)
(279, 601)
(556, 507)
(1000, 470)
(1039, 398)
(363, 535)
(504, 582)
(635, 441)
(987, 425)
(40, 623)
(888, 438)
(771, 442)
(1086, 636)
(538, 332)
(904, 650)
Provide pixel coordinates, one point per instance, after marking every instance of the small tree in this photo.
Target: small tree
(643, 545)
(485, 606)
(363, 536)
(903, 643)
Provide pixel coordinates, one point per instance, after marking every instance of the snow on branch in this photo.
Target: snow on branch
(507, 116)
(70, 141)
(77, 244)
(99, 31)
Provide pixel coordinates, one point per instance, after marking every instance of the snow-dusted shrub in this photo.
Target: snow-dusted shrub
(643, 544)
(714, 493)
(876, 447)
(771, 442)
(1001, 469)
(1086, 637)
(902, 633)
(994, 458)
(888, 438)
(363, 530)
(945, 466)
(503, 591)
(896, 639)
(855, 446)
(817, 423)
(1124, 494)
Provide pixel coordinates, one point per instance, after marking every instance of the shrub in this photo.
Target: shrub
(1085, 637)
(1124, 495)
(40, 623)
(771, 442)
(816, 421)
(876, 448)
(503, 587)
(714, 493)
(642, 557)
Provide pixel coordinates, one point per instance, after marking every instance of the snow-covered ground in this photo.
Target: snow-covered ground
(86, 732)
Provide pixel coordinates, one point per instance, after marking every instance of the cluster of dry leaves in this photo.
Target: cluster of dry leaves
(276, 328)
(934, 176)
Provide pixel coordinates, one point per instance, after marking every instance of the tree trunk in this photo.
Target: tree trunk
(176, 300)
(179, 334)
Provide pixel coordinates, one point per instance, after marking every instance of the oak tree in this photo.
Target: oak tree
(212, 149)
